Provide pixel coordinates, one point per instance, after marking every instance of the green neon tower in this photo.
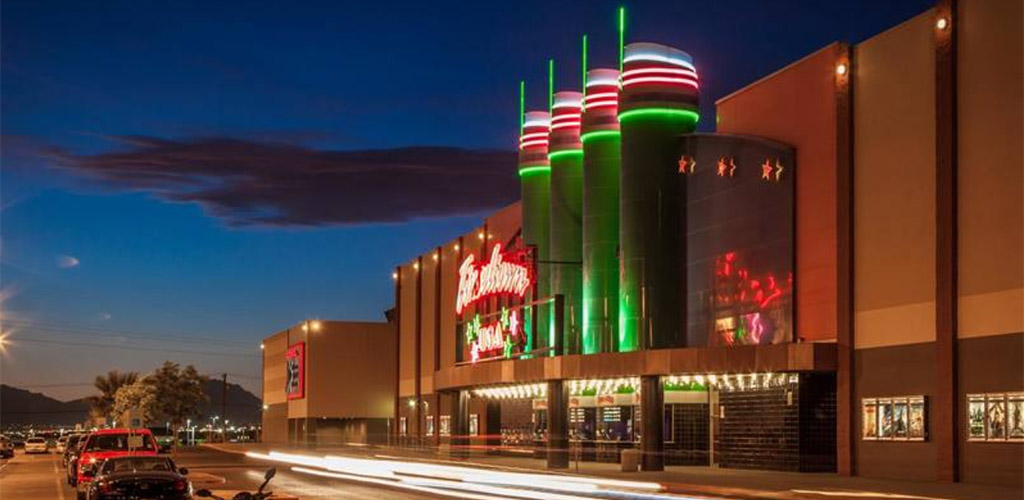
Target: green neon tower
(535, 182)
(657, 103)
(566, 155)
(601, 163)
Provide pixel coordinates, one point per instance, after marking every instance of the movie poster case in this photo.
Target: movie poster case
(902, 418)
(995, 417)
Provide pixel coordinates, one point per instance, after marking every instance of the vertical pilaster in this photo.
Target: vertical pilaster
(459, 411)
(946, 408)
(846, 405)
(652, 410)
(558, 424)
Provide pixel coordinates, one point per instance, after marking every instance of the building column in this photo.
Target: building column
(946, 412)
(459, 411)
(652, 410)
(558, 424)
(492, 427)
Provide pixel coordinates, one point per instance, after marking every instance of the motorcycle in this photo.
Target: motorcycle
(245, 495)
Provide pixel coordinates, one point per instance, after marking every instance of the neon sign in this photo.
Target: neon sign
(503, 334)
(501, 275)
(295, 361)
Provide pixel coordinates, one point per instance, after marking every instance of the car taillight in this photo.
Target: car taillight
(180, 485)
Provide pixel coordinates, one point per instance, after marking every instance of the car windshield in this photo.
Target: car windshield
(121, 442)
(136, 464)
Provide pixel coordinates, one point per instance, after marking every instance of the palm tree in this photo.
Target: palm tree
(108, 386)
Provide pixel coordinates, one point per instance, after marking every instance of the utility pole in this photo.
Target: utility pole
(224, 405)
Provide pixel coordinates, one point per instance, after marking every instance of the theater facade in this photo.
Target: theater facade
(832, 281)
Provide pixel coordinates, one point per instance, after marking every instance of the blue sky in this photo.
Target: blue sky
(159, 276)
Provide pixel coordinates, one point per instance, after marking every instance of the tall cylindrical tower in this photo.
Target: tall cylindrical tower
(566, 156)
(601, 162)
(535, 182)
(658, 102)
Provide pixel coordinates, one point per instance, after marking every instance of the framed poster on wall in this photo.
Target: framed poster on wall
(869, 419)
(995, 417)
(903, 418)
(916, 418)
(884, 418)
(1015, 417)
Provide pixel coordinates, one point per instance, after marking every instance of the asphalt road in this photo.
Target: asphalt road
(40, 477)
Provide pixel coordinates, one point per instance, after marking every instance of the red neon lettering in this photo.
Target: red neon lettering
(477, 281)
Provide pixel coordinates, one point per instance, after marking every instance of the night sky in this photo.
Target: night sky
(182, 177)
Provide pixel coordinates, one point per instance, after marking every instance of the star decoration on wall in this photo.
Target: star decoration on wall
(766, 170)
(723, 167)
(687, 164)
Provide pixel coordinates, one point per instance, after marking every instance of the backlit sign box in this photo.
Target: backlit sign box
(295, 364)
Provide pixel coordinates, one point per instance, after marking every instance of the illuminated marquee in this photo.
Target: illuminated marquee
(501, 275)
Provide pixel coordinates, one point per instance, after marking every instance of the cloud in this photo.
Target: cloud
(252, 183)
(67, 261)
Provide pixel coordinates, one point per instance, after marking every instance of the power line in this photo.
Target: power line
(135, 348)
(106, 332)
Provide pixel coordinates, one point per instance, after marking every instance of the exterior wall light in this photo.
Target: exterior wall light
(841, 69)
(942, 23)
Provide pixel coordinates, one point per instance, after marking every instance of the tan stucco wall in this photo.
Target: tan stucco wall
(991, 167)
(894, 186)
(350, 368)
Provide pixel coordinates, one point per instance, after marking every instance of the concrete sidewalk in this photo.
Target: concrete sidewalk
(706, 481)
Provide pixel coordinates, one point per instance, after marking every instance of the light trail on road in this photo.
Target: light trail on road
(471, 483)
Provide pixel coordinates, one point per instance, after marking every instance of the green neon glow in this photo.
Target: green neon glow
(562, 154)
(522, 103)
(622, 36)
(659, 112)
(597, 134)
(584, 64)
(551, 85)
(539, 169)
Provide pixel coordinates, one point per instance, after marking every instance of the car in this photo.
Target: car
(138, 477)
(111, 443)
(61, 443)
(6, 447)
(36, 444)
(70, 448)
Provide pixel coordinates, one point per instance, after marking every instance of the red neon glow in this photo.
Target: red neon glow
(530, 144)
(747, 306)
(657, 70)
(295, 364)
(660, 79)
(495, 336)
(500, 275)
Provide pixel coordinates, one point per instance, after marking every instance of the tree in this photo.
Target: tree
(178, 395)
(138, 396)
(108, 386)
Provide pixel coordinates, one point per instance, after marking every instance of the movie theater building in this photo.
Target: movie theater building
(832, 281)
(329, 383)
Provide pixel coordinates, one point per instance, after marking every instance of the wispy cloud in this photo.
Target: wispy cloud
(247, 182)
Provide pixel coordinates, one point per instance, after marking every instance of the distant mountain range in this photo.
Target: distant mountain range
(21, 407)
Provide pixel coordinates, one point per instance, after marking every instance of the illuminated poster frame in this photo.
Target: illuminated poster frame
(295, 369)
(995, 417)
(898, 418)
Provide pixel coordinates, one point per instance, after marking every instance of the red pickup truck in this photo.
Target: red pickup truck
(109, 443)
